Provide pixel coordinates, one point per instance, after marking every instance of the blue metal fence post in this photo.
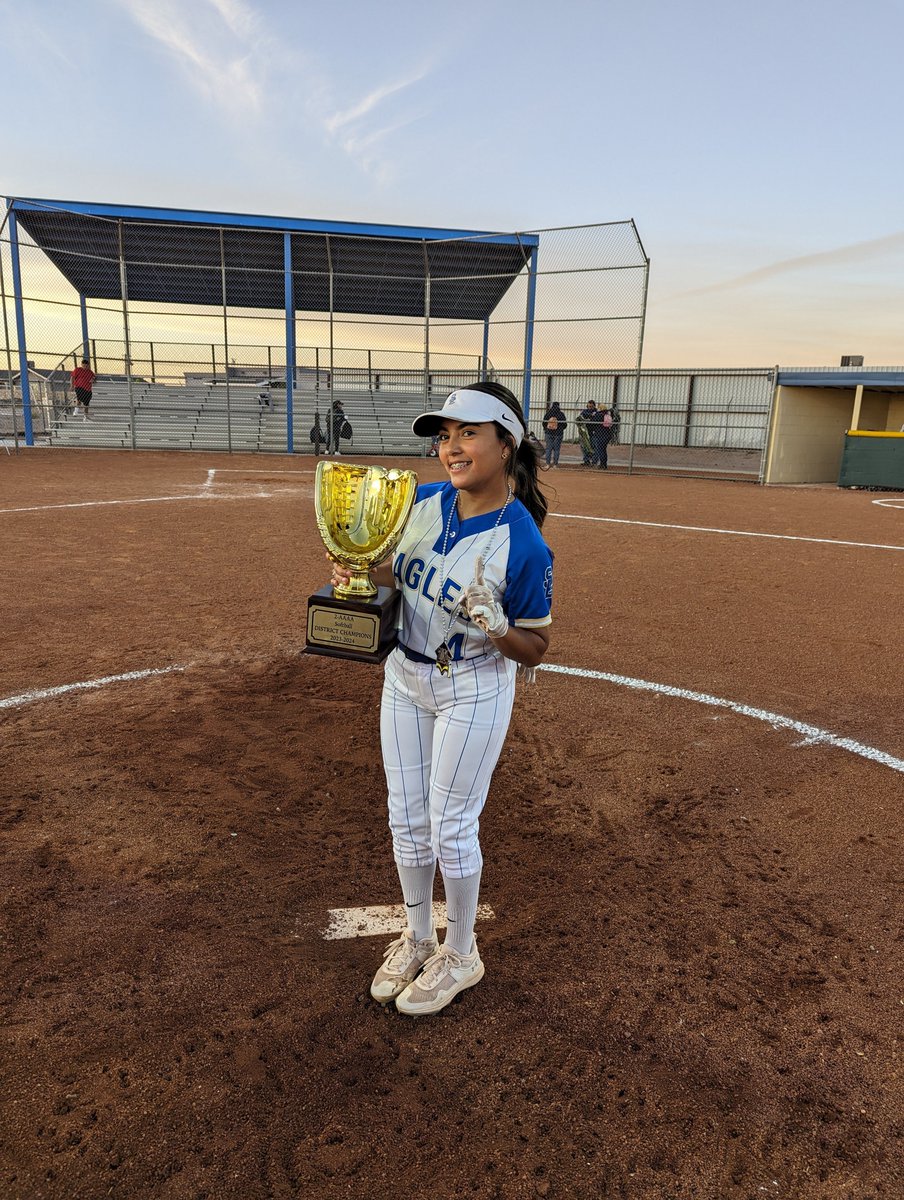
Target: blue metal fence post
(24, 381)
(290, 338)
(529, 330)
(86, 346)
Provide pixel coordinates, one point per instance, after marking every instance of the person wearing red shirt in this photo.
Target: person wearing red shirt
(83, 381)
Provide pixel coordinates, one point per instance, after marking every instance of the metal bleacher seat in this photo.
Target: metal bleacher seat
(196, 416)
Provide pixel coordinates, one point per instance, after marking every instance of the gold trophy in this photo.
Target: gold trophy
(361, 512)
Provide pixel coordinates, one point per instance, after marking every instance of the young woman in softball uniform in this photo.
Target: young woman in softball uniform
(476, 582)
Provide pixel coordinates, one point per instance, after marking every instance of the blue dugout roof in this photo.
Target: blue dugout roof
(173, 256)
(877, 379)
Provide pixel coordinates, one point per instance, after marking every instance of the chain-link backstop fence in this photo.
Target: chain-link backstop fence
(183, 318)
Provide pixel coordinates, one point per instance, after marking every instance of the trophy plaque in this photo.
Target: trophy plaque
(361, 512)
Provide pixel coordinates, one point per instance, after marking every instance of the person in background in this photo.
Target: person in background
(605, 437)
(82, 379)
(335, 419)
(554, 430)
(590, 422)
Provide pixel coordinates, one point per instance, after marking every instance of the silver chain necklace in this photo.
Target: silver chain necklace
(443, 652)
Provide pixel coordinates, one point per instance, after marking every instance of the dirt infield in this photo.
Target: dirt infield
(695, 970)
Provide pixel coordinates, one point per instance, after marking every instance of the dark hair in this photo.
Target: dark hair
(521, 467)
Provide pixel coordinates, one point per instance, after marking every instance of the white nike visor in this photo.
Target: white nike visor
(472, 408)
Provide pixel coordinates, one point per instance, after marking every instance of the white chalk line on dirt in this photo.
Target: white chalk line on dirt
(810, 734)
(257, 471)
(85, 685)
(781, 537)
(890, 502)
(142, 500)
(205, 492)
(383, 918)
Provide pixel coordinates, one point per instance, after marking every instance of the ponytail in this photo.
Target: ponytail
(521, 466)
(525, 483)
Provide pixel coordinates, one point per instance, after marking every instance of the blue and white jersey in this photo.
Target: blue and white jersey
(517, 567)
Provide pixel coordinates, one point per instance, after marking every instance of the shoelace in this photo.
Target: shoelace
(436, 967)
(398, 953)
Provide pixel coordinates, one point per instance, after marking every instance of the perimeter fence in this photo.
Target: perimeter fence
(209, 334)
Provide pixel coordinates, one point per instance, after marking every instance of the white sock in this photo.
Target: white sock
(417, 890)
(461, 906)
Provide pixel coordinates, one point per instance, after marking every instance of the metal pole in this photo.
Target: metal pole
(124, 290)
(9, 357)
(317, 429)
(24, 382)
(84, 312)
(767, 440)
(426, 328)
(226, 345)
(643, 317)
(290, 338)
(689, 410)
(486, 349)
(153, 371)
(529, 330)
(329, 256)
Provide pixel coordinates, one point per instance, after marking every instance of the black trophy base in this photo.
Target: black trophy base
(362, 630)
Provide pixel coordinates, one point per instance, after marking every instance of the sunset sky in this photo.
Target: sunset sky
(756, 146)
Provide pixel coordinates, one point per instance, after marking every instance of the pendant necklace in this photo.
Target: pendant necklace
(443, 652)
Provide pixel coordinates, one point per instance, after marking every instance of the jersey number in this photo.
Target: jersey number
(455, 645)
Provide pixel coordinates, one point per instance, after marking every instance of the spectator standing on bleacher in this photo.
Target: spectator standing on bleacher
(335, 419)
(83, 382)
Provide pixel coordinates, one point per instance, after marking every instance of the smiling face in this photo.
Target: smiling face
(473, 456)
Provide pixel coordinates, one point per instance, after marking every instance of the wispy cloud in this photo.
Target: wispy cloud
(217, 57)
(366, 151)
(226, 52)
(371, 101)
(363, 129)
(242, 20)
(24, 29)
(855, 252)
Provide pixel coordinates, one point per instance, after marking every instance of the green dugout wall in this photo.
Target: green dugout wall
(873, 460)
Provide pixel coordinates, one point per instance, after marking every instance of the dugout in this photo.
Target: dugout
(839, 426)
(227, 263)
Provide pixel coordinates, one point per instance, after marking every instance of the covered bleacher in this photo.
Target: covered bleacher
(397, 283)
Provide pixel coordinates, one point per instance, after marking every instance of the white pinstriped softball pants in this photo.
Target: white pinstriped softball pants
(442, 737)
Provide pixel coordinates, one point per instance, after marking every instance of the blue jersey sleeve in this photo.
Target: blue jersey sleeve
(426, 490)
(528, 593)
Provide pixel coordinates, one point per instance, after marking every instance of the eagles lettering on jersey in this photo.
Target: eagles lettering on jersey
(517, 566)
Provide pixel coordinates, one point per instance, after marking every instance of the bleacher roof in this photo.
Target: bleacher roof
(173, 256)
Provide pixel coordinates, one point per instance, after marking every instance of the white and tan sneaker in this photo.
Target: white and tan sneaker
(403, 959)
(445, 975)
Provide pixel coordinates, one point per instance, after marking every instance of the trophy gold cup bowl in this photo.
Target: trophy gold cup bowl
(361, 513)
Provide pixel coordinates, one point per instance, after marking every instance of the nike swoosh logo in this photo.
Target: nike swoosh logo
(416, 903)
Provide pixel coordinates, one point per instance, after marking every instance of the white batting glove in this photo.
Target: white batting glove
(482, 607)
